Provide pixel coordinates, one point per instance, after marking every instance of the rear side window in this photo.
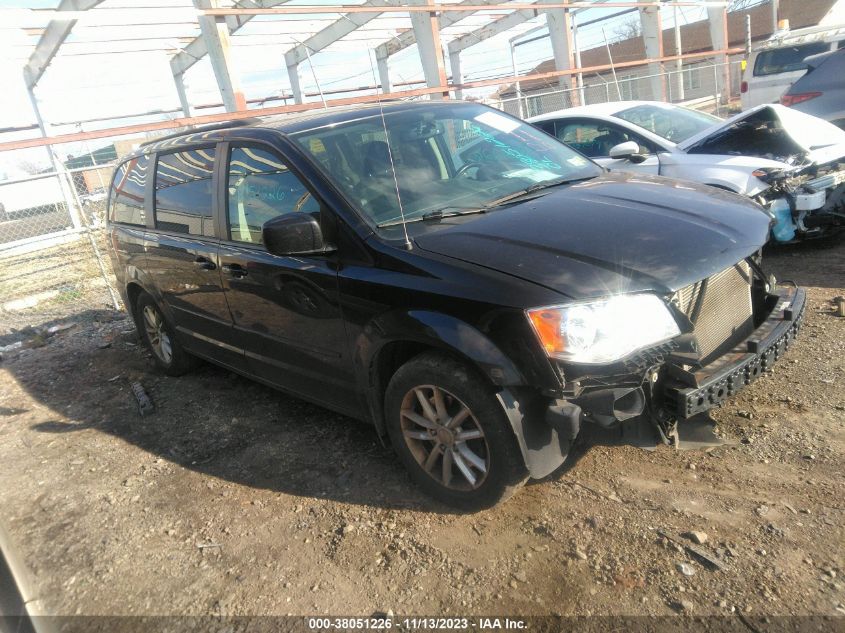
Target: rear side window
(261, 187)
(127, 194)
(183, 192)
(787, 59)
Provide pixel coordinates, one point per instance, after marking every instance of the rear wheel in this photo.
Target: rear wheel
(451, 433)
(160, 339)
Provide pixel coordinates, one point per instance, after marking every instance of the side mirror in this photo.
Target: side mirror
(625, 150)
(293, 234)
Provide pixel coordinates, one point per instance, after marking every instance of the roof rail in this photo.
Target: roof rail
(225, 125)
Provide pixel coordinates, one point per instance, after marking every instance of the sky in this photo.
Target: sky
(79, 86)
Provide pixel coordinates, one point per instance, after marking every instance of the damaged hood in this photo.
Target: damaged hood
(615, 233)
(771, 131)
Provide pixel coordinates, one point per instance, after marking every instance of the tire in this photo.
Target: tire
(160, 338)
(472, 461)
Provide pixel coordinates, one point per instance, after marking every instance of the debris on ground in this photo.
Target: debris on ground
(699, 538)
(699, 554)
(145, 404)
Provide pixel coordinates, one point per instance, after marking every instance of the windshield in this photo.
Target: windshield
(447, 158)
(673, 123)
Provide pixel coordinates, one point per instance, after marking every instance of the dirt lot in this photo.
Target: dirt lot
(234, 499)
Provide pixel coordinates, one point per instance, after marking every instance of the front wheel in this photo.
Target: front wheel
(451, 433)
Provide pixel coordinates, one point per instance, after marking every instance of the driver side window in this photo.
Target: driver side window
(260, 188)
(595, 138)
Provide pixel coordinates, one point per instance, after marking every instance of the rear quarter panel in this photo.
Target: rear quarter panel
(126, 249)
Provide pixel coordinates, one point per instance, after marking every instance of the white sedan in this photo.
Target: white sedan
(792, 163)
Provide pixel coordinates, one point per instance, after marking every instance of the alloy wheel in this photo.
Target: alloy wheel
(444, 437)
(157, 334)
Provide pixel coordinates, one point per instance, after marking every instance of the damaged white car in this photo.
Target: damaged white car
(790, 162)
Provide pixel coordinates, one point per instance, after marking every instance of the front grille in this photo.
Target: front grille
(720, 309)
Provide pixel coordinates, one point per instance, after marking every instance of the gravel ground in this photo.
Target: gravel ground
(235, 499)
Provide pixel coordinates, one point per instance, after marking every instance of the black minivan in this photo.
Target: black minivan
(470, 285)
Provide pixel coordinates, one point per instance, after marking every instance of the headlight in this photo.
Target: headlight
(603, 331)
(768, 174)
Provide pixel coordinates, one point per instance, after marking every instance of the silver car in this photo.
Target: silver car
(821, 91)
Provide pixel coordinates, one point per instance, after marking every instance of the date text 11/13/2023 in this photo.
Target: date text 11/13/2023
(416, 623)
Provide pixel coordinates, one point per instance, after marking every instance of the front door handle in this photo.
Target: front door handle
(236, 270)
(204, 263)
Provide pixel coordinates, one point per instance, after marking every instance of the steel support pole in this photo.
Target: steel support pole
(383, 70)
(457, 77)
(65, 184)
(579, 78)
(653, 39)
(678, 90)
(179, 80)
(518, 86)
(718, 22)
(716, 97)
(295, 84)
(560, 33)
(215, 32)
(747, 34)
(427, 32)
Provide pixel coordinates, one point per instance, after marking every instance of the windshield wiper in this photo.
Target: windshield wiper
(438, 214)
(537, 186)
(445, 212)
(451, 212)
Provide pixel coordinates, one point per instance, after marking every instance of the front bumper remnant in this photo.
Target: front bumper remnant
(691, 393)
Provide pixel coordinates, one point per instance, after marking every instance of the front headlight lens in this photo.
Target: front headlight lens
(603, 331)
(768, 174)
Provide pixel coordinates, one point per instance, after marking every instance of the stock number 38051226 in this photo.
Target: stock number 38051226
(383, 623)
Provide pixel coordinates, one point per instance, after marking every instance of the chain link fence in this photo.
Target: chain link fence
(53, 258)
(701, 84)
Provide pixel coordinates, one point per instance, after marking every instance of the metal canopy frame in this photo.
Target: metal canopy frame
(444, 15)
(51, 40)
(426, 21)
(438, 7)
(370, 98)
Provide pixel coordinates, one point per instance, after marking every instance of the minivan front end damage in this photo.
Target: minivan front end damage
(656, 297)
(688, 392)
(734, 326)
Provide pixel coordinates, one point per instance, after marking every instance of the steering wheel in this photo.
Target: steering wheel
(463, 169)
